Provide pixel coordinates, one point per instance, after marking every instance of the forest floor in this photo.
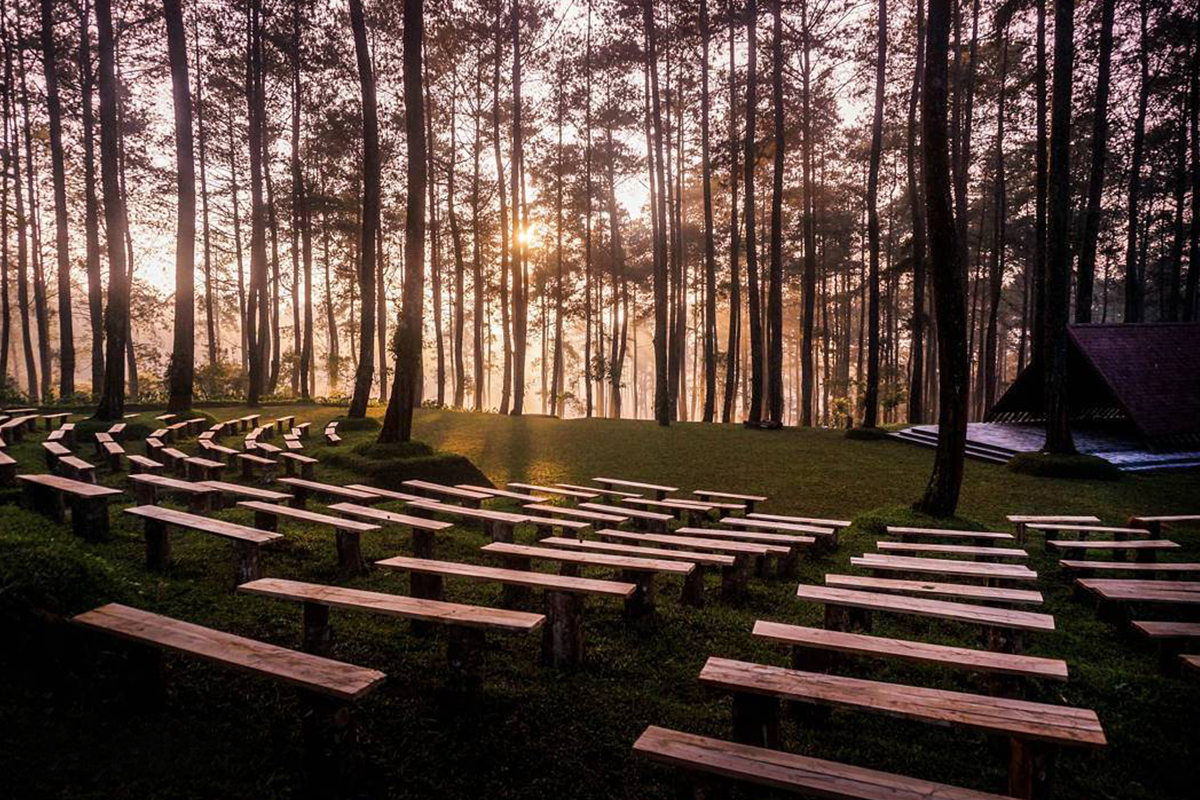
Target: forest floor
(536, 732)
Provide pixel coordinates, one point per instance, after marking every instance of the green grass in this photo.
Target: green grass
(534, 731)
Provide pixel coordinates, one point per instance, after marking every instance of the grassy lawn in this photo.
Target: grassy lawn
(536, 732)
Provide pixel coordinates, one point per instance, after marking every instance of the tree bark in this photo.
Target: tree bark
(754, 415)
(257, 322)
(91, 206)
(459, 268)
(662, 393)
(1193, 278)
(710, 259)
(916, 394)
(210, 322)
(871, 399)
(809, 280)
(520, 226)
(735, 291)
(501, 188)
(1091, 220)
(365, 373)
(41, 386)
(477, 284)
(1134, 280)
(181, 371)
(775, 289)
(1000, 208)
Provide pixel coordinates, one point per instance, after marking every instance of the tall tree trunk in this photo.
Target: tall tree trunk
(435, 251)
(112, 399)
(66, 335)
(397, 422)
(1193, 278)
(183, 354)
(257, 322)
(1041, 179)
(941, 493)
(476, 262)
(520, 225)
(871, 399)
(459, 268)
(916, 394)
(1175, 279)
(750, 157)
(300, 217)
(809, 280)
(587, 219)
(370, 216)
(237, 246)
(334, 365)
(1134, 280)
(710, 258)
(996, 274)
(556, 372)
(775, 289)
(662, 393)
(735, 291)
(42, 384)
(1058, 257)
(501, 188)
(6, 152)
(91, 206)
(1091, 220)
(617, 357)
(271, 346)
(210, 321)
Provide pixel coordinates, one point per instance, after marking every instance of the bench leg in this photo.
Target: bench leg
(426, 587)
(265, 521)
(1030, 769)
(300, 498)
(89, 518)
(464, 654)
(317, 633)
(693, 588)
(8, 474)
(731, 584)
(511, 595)
(502, 531)
(197, 502)
(844, 618)
(144, 681)
(349, 550)
(306, 472)
(329, 740)
(789, 565)
(158, 545)
(245, 565)
(756, 720)
(1004, 640)
(641, 602)
(812, 659)
(562, 638)
(46, 501)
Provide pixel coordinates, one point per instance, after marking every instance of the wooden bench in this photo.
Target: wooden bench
(267, 449)
(302, 429)
(595, 492)
(203, 469)
(991, 574)
(1109, 592)
(820, 522)
(51, 419)
(65, 434)
(387, 494)
(346, 531)
(230, 455)
(1159, 568)
(13, 430)
(658, 490)
(748, 500)
(733, 582)
(294, 463)
(562, 640)
(162, 434)
(53, 452)
(955, 591)
(329, 688)
(815, 649)
(501, 493)
(639, 571)
(267, 467)
(908, 534)
(701, 756)
(148, 486)
(795, 545)
(1169, 638)
(1155, 523)
(228, 493)
(548, 525)
(1034, 730)
(681, 509)
(331, 435)
(827, 536)
(577, 513)
(501, 525)
(973, 552)
(293, 444)
(847, 609)
(1146, 549)
(246, 540)
(466, 625)
(142, 464)
(174, 460)
(1082, 531)
(285, 423)
(436, 490)
(113, 455)
(302, 489)
(423, 531)
(1022, 520)
(646, 519)
(1190, 664)
(117, 430)
(50, 495)
(165, 418)
(560, 489)
(76, 468)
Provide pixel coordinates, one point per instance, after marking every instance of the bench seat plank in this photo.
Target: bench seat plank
(343, 492)
(302, 515)
(528, 498)
(695, 543)
(649, 516)
(559, 489)
(707, 559)
(241, 490)
(654, 487)
(788, 771)
(777, 527)
(446, 491)
(390, 517)
(541, 580)
(959, 591)
(937, 609)
(920, 652)
(951, 549)
(820, 522)
(484, 514)
(1058, 527)
(1167, 630)
(315, 673)
(78, 488)
(395, 605)
(1171, 592)
(590, 559)
(783, 539)
(594, 492)
(945, 566)
(1098, 544)
(1133, 566)
(579, 513)
(1054, 724)
(378, 492)
(753, 498)
(173, 484)
(947, 533)
(198, 522)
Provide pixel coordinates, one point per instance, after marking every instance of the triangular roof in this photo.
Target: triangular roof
(1148, 373)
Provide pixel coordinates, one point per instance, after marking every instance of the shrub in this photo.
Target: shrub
(352, 425)
(1079, 466)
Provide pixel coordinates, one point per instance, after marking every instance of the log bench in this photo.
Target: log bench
(53, 452)
(331, 435)
(1110, 592)
(991, 574)
(828, 537)
(560, 489)
(954, 591)
(733, 581)
(1021, 521)
(423, 532)
(346, 531)
(795, 545)
(76, 468)
(293, 444)
(576, 513)
(117, 430)
(710, 764)
(973, 552)
(51, 494)
(1169, 638)
(659, 491)
(387, 494)
(501, 525)
(266, 467)
(113, 455)
(285, 423)
(65, 433)
(303, 489)
(1035, 730)
(203, 469)
(228, 493)
(99, 440)
(562, 639)
(466, 625)
(51, 419)
(851, 610)
(638, 571)
(547, 525)
(435, 490)
(820, 522)
(747, 500)
(907, 534)
(524, 497)
(1146, 549)
(649, 520)
(301, 428)
(175, 460)
(815, 650)
(164, 418)
(298, 465)
(147, 487)
(681, 509)
(596, 492)
(246, 540)
(220, 451)
(266, 448)
(13, 430)
(1155, 523)
(1160, 569)
(329, 689)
